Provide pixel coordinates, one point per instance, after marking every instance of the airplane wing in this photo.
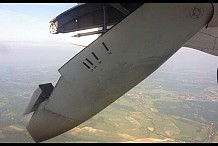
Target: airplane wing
(143, 37)
(205, 40)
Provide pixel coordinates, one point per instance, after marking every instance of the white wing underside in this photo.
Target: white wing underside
(117, 61)
(206, 40)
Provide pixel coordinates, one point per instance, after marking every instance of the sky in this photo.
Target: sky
(29, 22)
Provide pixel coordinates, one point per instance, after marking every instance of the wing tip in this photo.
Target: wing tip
(45, 124)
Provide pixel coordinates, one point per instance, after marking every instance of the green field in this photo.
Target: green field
(177, 103)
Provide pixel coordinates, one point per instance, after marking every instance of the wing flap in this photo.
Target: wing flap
(205, 40)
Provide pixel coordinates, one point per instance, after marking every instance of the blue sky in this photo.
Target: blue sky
(29, 22)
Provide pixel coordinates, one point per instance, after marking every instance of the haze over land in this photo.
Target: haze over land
(178, 102)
